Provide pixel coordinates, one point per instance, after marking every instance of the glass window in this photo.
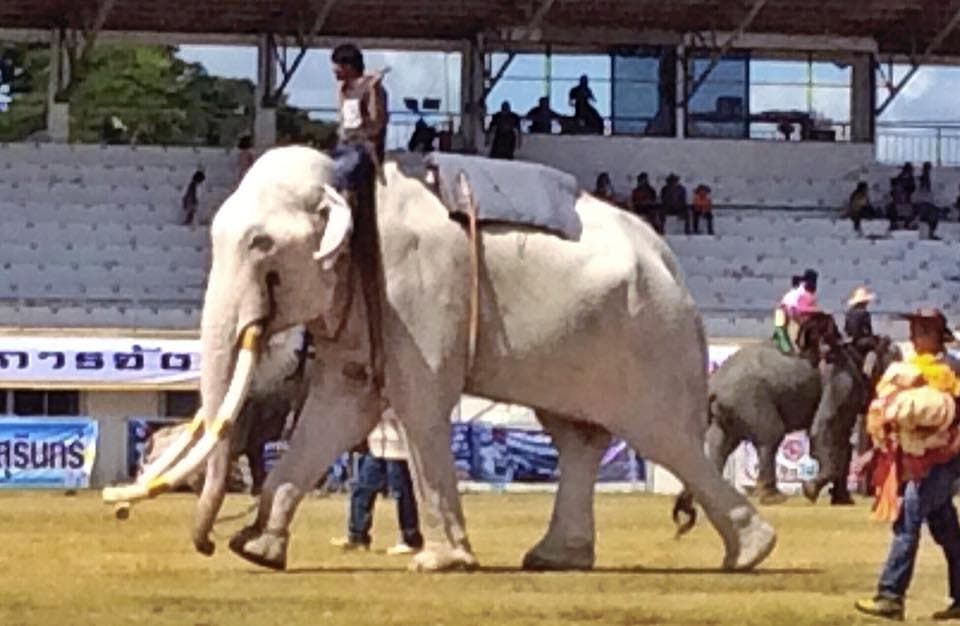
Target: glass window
(3, 401)
(180, 403)
(642, 99)
(720, 107)
(570, 67)
(63, 403)
(28, 402)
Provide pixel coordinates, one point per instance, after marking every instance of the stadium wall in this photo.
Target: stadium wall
(696, 160)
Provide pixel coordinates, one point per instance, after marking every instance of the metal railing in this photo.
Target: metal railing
(898, 142)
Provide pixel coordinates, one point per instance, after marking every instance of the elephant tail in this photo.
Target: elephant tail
(684, 513)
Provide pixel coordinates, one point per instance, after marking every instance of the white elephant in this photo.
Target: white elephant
(599, 335)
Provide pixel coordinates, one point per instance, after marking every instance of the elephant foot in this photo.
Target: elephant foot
(811, 490)
(441, 558)
(547, 556)
(265, 549)
(772, 496)
(755, 540)
(842, 499)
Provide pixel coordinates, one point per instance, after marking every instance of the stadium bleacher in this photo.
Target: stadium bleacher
(92, 238)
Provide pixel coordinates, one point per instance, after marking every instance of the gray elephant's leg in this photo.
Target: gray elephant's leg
(424, 411)
(719, 444)
(767, 472)
(569, 542)
(322, 434)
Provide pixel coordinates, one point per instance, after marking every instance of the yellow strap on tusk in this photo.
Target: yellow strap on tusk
(251, 337)
(157, 486)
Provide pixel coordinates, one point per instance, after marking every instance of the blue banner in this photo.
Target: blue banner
(47, 452)
(499, 454)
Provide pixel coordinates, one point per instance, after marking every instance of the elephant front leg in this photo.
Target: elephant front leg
(446, 546)
(569, 542)
(322, 434)
(767, 490)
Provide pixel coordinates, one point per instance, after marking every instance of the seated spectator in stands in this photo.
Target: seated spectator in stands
(503, 134)
(422, 138)
(923, 203)
(541, 117)
(673, 198)
(702, 208)
(907, 182)
(604, 188)
(857, 323)
(191, 197)
(900, 210)
(245, 156)
(643, 202)
(859, 207)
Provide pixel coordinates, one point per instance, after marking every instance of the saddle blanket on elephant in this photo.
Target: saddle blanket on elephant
(512, 192)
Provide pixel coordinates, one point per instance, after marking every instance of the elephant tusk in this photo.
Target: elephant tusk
(166, 478)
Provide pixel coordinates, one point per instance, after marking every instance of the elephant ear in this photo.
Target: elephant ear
(336, 234)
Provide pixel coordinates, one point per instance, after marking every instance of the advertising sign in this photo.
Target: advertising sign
(47, 452)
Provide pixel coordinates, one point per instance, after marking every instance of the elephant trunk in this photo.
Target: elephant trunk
(223, 394)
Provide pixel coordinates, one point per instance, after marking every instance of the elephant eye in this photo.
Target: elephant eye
(261, 242)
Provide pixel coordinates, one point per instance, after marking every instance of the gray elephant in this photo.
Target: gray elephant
(760, 394)
(597, 333)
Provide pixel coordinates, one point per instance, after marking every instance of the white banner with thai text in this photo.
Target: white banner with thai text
(98, 360)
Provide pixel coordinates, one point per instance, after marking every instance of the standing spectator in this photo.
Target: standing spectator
(643, 202)
(383, 466)
(859, 206)
(503, 134)
(917, 489)
(956, 205)
(702, 207)
(857, 324)
(245, 156)
(900, 210)
(541, 117)
(584, 114)
(191, 197)
(603, 188)
(673, 198)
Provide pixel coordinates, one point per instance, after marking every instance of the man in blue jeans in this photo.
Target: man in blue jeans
(929, 500)
(384, 466)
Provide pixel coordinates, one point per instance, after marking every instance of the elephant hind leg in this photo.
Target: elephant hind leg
(719, 444)
(569, 541)
(748, 539)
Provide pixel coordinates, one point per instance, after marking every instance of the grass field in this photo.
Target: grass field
(66, 561)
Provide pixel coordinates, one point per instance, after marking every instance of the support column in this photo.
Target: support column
(58, 113)
(863, 95)
(681, 93)
(265, 117)
(472, 102)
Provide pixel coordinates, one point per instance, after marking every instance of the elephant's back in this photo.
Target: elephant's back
(755, 367)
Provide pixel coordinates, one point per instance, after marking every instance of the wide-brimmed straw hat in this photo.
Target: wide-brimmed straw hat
(930, 315)
(860, 295)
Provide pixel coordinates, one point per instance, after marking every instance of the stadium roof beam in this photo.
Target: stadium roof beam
(305, 40)
(934, 45)
(725, 48)
(529, 32)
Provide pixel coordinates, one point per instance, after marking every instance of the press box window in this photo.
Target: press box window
(31, 402)
(180, 403)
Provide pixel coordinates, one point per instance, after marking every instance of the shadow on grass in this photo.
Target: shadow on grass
(635, 570)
